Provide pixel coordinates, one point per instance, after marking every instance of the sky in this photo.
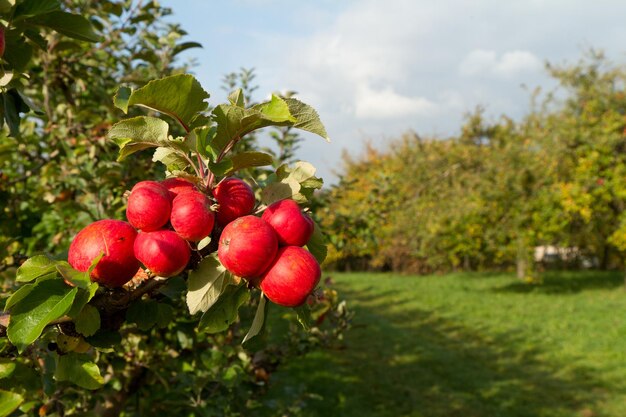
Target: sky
(377, 68)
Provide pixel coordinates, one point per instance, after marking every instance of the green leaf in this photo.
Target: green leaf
(199, 140)
(184, 46)
(11, 113)
(120, 100)
(9, 401)
(317, 244)
(18, 295)
(258, 323)
(82, 298)
(282, 190)
(206, 283)
(138, 133)
(171, 158)
(143, 313)
(165, 315)
(77, 278)
(104, 339)
(307, 118)
(87, 322)
(174, 288)
(37, 39)
(78, 369)
(17, 52)
(225, 311)
(179, 96)
(29, 8)
(275, 110)
(303, 313)
(68, 24)
(6, 5)
(34, 268)
(204, 243)
(234, 122)
(237, 98)
(7, 366)
(249, 159)
(48, 301)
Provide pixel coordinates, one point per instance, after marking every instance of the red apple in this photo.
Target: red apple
(235, 199)
(114, 239)
(177, 186)
(247, 246)
(290, 279)
(192, 217)
(292, 226)
(163, 252)
(148, 206)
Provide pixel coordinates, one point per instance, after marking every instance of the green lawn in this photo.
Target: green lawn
(469, 345)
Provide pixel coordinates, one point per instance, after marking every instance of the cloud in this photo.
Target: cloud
(510, 64)
(386, 103)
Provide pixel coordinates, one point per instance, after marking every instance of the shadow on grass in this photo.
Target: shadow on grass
(410, 362)
(566, 282)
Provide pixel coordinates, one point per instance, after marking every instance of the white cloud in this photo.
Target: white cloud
(510, 64)
(386, 103)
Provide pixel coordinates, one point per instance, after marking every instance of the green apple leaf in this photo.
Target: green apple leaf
(9, 401)
(34, 268)
(258, 323)
(29, 8)
(303, 313)
(46, 302)
(225, 310)
(88, 321)
(120, 100)
(307, 118)
(68, 24)
(248, 160)
(179, 96)
(143, 132)
(143, 313)
(206, 283)
(276, 191)
(173, 159)
(78, 369)
(317, 244)
(7, 366)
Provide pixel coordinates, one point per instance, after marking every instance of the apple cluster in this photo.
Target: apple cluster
(165, 219)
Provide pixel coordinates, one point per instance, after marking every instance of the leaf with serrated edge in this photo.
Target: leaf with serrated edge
(172, 159)
(88, 321)
(48, 301)
(78, 369)
(248, 160)
(35, 267)
(206, 283)
(307, 118)
(280, 191)
(120, 100)
(258, 323)
(138, 133)
(179, 96)
(225, 311)
(275, 110)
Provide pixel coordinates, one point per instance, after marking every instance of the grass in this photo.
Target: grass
(469, 345)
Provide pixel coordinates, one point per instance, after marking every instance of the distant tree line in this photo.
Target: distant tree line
(488, 197)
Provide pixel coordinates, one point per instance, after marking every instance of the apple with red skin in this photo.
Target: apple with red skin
(192, 217)
(235, 199)
(247, 246)
(292, 226)
(292, 276)
(149, 206)
(177, 186)
(163, 252)
(114, 239)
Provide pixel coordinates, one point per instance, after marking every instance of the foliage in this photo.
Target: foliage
(70, 347)
(488, 196)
